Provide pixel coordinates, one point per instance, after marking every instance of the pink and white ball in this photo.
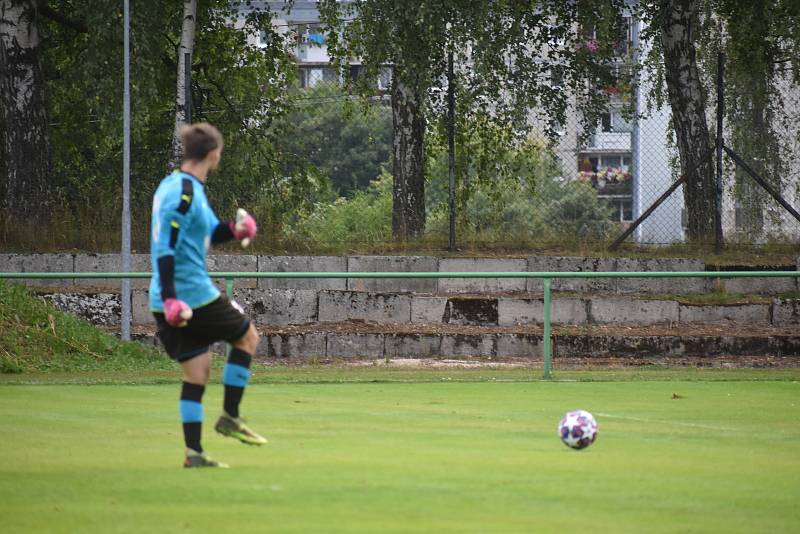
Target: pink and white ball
(578, 429)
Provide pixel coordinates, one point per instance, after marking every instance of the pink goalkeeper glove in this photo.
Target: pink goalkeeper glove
(244, 229)
(177, 312)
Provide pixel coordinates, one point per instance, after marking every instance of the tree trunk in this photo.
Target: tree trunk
(688, 115)
(24, 114)
(186, 47)
(408, 133)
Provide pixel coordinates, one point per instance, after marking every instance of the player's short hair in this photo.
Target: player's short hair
(199, 140)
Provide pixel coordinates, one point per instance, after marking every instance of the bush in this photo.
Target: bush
(518, 198)
(363, 219)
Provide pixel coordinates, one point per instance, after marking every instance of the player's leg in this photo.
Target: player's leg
(195, 377)
(237, 370)
(196, 371)
(235, 378)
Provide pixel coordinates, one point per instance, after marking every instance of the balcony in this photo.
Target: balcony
(609, 141)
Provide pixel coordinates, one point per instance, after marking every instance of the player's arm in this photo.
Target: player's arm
(172, 217)
(242, 229)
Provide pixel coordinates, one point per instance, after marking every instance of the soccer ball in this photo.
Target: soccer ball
(577, 429)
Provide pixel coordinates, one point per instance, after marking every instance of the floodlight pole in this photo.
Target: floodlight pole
(126, 178)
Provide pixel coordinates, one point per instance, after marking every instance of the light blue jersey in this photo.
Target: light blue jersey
(181, 226)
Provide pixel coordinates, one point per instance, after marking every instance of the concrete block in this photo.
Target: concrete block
(10, 263)
(278, 306)
(301, 345)
(482, 285)
(140, 263)
(760, 286)
(613, 310)
(428, 309)
(48, 263)
(341, 345)
(750, 313)
(392, 264)
(512, 311)
(236, 263)
(519, 346)
(378, 307)
(455, 345)
(98, 263)
(111, 263)
(288, 264)
(661, 285)
(471, 311)
(785, 312)
(593, 346)
(97, 308)
(571, 265)
(412, 346)
(140, 307)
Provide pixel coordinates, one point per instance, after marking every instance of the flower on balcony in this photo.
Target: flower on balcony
(613, 175)
(591, 45)
(605, 176)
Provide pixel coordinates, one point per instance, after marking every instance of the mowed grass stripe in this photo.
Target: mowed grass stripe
(407, 457)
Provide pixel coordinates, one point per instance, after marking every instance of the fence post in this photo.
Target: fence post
(547, 347)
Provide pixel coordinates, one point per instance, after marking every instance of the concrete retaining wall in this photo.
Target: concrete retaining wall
(303, 306)
(140, 262)
(314, 345)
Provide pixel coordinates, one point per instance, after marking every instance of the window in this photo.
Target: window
(355, 71)
(309, 33)
(621, 209)
(313, 76)
(605, 122)
(614, 121)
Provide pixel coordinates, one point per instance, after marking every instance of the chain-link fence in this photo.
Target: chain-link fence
(606, 173)
(609, 173)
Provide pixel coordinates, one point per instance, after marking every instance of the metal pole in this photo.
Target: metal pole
(718, 237)
(547, 346)
(762, 182)
(451, 149)
(636, 152)
(187, 88)
(126, 177)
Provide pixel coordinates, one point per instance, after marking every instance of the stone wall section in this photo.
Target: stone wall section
(503, 301)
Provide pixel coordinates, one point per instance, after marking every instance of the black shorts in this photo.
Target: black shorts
(216, 321)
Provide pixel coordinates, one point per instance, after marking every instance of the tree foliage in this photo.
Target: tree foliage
(237, 85)
(512, 57)
(344, 141)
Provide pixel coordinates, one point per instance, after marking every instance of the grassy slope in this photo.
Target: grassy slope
(407, 457)
(34, 336)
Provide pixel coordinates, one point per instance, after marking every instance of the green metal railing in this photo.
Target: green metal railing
(546, 277)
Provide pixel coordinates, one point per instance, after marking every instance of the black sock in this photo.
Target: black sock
(235, 378)
(233, 397)
(192, 414)
(191, 436)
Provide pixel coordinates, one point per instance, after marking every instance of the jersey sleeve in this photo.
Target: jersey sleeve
(172, 214)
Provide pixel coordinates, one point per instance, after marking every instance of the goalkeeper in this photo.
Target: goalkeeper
(190, 312)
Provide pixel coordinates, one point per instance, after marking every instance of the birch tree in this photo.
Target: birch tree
(508, 51)
(186, 46)
(24, 113)
(679, 20)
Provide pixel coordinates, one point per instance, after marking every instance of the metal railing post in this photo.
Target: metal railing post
(547, 346)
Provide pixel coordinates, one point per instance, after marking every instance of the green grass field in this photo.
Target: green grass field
(429, 455)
